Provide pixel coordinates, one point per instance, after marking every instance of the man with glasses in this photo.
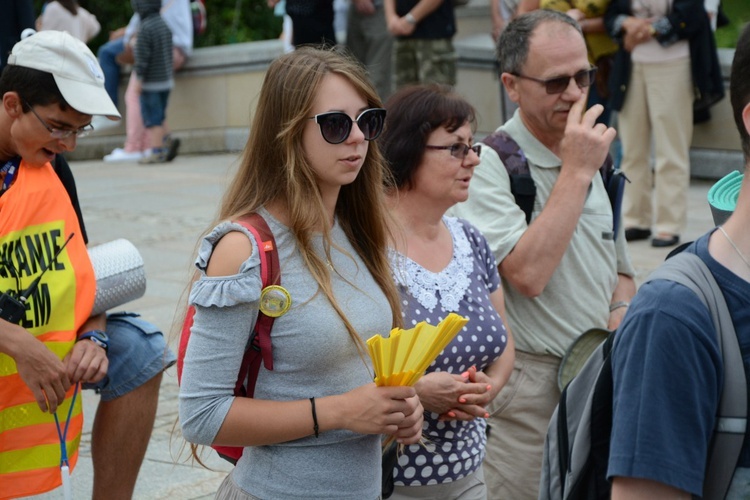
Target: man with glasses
(51, 345)
(564, 272)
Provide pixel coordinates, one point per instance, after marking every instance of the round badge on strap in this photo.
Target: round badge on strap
(275, 301)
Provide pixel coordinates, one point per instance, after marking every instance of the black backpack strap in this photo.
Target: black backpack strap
(689, 270)
(521, 184)
(614, 182)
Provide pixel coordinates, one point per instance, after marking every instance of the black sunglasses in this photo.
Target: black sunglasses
(459, 150)
(335, 126)
(558, 84)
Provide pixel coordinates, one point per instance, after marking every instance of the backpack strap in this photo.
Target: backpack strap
(614, 182)
(260, 347)
(522, 185)
(689, 270)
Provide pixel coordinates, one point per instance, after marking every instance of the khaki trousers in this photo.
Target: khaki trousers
(471, 487)
(417, 60)
(518, 421)
(659, 103)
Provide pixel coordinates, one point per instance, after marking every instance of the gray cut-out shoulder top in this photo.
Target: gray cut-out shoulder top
(313, 356)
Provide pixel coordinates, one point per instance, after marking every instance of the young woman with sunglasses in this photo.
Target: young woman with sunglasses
(312, 172)
(442, 265)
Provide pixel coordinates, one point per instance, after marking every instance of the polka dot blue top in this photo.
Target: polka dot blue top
(453, 448)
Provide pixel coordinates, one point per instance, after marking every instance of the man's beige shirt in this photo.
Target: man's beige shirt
(578, 295)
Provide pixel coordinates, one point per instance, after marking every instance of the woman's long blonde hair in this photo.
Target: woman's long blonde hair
(274, 168)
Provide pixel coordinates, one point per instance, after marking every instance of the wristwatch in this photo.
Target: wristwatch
(98, 337)
(410, 18)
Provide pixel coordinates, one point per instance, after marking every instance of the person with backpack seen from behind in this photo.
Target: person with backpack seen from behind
(154, 75)
(443, 265)
(312, 171)
(564, 272)
(50, 89)
(667, 368)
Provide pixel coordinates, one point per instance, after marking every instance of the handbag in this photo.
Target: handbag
(390, 459)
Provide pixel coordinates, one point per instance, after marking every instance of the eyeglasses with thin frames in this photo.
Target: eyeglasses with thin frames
(459, 150)
(558, 84)
(57, 133)
(335, 126)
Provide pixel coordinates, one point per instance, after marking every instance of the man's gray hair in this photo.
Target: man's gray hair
(513, 45)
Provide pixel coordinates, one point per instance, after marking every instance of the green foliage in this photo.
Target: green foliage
(738, 12)
(229, 21)
(233, 21)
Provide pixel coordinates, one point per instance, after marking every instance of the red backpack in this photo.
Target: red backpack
(259, 347)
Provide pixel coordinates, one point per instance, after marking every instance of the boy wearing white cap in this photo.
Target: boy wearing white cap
(50, 343)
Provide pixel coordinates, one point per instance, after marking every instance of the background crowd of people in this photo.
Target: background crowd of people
(384, 211)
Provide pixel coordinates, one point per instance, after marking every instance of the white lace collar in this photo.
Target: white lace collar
(450, 284)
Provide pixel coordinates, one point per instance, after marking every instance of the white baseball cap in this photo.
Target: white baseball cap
(76, 71)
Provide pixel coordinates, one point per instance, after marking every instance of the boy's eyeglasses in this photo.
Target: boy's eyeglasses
(336, 126)
(558, 84)
(459, 150)
(57, 133)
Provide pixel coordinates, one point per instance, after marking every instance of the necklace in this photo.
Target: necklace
(736, 248)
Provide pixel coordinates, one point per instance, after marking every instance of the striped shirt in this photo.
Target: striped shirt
(153, 55)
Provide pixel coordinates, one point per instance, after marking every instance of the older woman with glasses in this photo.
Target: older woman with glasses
(442, 265)
(311, 171)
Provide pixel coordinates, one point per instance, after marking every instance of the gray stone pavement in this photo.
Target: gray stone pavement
(163, 209)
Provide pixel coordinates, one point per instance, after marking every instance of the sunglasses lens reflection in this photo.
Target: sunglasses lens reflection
(558, 85)
(371, 123)
(585, 78)
(336, 127)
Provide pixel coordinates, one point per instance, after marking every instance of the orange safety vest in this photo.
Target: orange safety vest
(36, 217)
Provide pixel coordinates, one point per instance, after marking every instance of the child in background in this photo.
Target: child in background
(154, 73)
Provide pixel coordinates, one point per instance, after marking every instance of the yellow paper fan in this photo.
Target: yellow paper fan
(402, 358)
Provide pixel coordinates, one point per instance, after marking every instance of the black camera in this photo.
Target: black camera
(11, 308)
